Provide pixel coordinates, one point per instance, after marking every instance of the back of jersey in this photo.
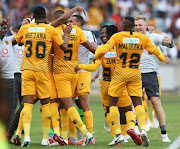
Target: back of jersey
(65, 61)
(129, 47)
(38, 39)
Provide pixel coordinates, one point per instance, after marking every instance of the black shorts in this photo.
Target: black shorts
(151, 84)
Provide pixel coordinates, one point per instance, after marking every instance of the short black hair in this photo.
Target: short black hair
(18, 27)
(39, 12)
(104, 26)
(79, 19)
(131, 19)
(111, 29)
(58, 13)
(128, 23)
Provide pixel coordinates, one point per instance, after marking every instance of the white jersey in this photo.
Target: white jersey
(18, 55)
(83, 53)
(6, 57)
(163, 49)
(149, 61)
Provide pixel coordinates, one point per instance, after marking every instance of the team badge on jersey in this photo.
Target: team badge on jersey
(6, 42)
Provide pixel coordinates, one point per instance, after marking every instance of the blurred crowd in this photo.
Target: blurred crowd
(164, 14)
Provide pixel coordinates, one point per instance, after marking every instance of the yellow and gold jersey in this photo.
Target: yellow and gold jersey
(108, 62)
(65, 61)
(129, 47)
(38, 39)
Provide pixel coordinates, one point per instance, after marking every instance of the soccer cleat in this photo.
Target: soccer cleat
(125, 139)
(155, 120)
(45, 142)
(88, 139)
(72, 141)
(148, 125)
(116, 140)
(80, 142)
(119, 144)
(134, 136)
(17, 140)
(145, 138)
(26, 142)
(59, 140)
(51, 141)
(106, 126)
(165, 138)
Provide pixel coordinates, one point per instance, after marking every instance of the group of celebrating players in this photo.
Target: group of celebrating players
(55, 69)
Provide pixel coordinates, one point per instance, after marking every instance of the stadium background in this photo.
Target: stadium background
(165, 14)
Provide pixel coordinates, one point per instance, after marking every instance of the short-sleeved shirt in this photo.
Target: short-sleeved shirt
(6, 57)
(18, 56)
(83, 53)
(65, 61)
(149, 61)
(38, 39)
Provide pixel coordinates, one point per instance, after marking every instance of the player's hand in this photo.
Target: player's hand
(76, 68)
(81, 9)
(67, 29)
(167, 40)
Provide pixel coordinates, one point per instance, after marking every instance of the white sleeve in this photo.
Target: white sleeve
(164, 49)
(158, 39)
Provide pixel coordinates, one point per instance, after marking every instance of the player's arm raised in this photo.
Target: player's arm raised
(90, 67)
(66, 31)
(100, 51)
(167, 42)
(66, 16)
(154, 50)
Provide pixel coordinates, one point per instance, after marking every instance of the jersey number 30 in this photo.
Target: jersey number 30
(38, 45)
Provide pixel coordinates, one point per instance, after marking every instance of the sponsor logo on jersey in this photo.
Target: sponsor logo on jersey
(73, 31)
(110, 54)
(6, 42)
(20, 52)
(130, 40)
(5, 51)
(36, 29)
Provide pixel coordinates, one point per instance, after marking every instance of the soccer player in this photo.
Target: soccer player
(108, 62)
(66, 80)
(129, 47)
(38, 38)
(84, 79)
(148, 67)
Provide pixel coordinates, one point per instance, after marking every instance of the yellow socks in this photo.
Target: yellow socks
(46, 120)
(114, 116)
(130, 119)
(75, 118)
(88, 118)
(110, 125)
(140, 114)
(146, 109)
(55, 117)
(123, 129)
(26, 118)
(72, 129)
(20, 126)
(64, 123)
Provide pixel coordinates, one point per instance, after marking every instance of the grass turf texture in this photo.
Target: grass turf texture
(171, 104)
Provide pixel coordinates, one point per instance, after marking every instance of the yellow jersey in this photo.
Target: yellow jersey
(65, 61)
(38, 39)
(129, 47)
(108, 62)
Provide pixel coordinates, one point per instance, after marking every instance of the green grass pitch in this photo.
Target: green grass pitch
(171, 104)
